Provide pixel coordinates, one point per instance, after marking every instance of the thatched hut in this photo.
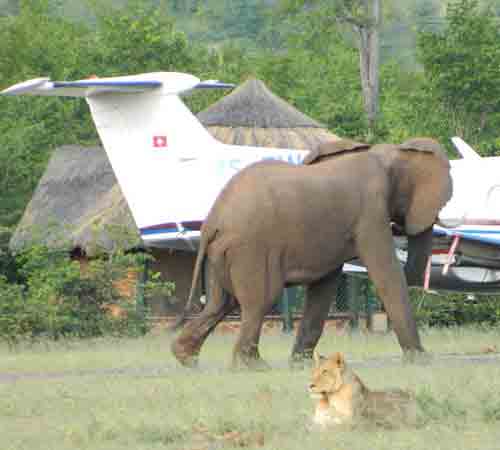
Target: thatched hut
(253, 115)
(79, 199)
(76, 200)
(78, 204)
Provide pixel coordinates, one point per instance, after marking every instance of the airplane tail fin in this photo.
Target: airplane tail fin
(465, 150)
(145, 128)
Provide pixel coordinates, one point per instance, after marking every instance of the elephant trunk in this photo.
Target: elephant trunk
(419, 250)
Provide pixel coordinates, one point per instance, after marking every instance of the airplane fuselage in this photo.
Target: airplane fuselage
(170, 170)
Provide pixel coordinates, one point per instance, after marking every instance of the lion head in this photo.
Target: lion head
(327, 375)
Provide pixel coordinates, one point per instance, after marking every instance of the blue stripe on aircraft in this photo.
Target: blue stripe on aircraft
(160, 231)
(97, 83)
(219, 85)
(480, 231)
(473, 235)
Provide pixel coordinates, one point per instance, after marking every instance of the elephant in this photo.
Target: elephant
(277, 224)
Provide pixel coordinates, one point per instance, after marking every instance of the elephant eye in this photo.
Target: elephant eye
(324, 372)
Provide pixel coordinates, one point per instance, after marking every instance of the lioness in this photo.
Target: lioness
(342, 398)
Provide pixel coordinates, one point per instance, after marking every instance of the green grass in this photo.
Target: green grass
(154, 404)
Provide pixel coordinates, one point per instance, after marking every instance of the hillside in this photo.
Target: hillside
(248, 23)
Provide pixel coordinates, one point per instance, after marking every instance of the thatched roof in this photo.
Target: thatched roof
(253, 115)
(253, 105)
(78, 196)
(77, 202)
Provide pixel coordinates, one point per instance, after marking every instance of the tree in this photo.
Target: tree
(462, 64)
(364, 18)
(138, 37)
(29, 128)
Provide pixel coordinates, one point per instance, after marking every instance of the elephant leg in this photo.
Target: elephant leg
(246, 351)
(186, 347)
(319, 297)
(255, 290)
(376, 249)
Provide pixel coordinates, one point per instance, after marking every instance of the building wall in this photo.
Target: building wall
(176, 266)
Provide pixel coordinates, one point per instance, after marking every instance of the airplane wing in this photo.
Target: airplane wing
(96, 86)
(80, 88)
(486, 236)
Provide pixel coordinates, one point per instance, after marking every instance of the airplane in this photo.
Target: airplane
(170, 170)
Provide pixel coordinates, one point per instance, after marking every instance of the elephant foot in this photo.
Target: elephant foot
(257, 365)
(418, 357)
(184, 354)
(249, 362)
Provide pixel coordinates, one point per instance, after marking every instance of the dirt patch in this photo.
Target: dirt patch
(450, 360)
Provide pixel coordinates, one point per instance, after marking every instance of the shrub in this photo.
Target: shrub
(61, 300)
(7, 261)
(14, 322)
(452, 309)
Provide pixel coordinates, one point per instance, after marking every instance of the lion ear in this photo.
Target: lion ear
(339, 360)
(333, 148)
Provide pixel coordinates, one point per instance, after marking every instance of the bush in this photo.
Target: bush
(8, 267)
(14, 320)
(60, 299)
(453, 309)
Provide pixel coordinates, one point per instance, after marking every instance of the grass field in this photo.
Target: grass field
(130, 394)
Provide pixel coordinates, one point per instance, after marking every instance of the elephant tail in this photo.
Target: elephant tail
(202, 251)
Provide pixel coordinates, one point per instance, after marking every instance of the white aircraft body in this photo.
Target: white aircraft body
(170, 170)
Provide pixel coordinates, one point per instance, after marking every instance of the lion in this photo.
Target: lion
(343, 399)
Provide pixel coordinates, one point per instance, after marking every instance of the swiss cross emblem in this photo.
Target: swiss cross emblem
(159, 141)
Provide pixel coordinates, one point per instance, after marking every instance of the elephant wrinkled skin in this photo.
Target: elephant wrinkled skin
(277, 224)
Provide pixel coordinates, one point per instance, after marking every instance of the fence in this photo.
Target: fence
(355, 297)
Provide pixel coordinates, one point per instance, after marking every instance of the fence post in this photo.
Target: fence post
(354, 290)
(287, 297)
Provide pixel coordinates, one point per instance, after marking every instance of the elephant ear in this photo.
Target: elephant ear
(426, 181)
(333, 148)
(426, 145)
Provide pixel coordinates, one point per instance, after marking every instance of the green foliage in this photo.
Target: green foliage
(60, 299)
(14, 320)
(462, 64)
(138, 38)
(156, 287)
(491, 408)
(31, 127)
(455, 309)
(8, 268)
(409, 107)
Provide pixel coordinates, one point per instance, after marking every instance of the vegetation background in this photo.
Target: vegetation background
(438, 77)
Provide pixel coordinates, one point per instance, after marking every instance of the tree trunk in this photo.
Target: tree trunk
(369, 60)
